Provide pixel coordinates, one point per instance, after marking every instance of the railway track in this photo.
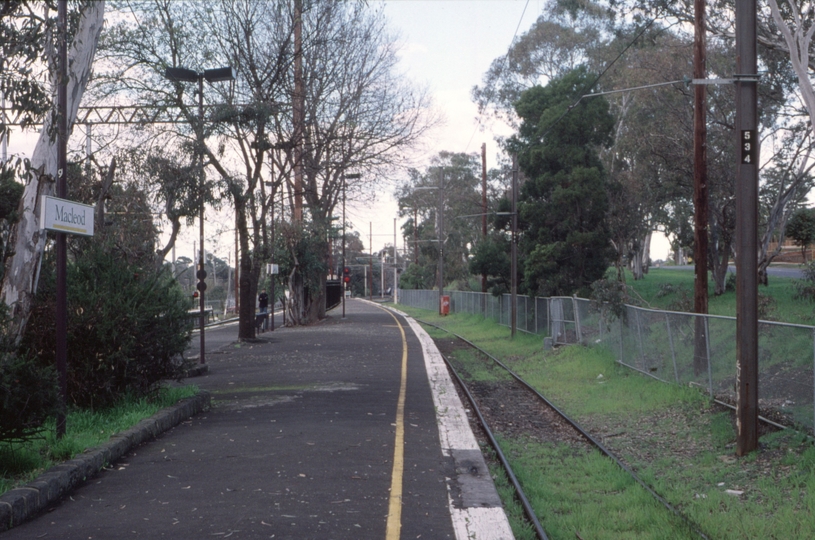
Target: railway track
(505, 403)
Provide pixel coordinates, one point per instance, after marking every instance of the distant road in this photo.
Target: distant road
(774, 271)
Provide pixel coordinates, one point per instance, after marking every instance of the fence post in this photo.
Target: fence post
(707, 350)
(639, 338)
(536, 315)
(601, 318)
(671, 341)
(549, 316)
(578, 330)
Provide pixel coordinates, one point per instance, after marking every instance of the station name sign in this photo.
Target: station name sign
(66, 216)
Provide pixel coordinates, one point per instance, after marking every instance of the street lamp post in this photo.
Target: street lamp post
(345, 177)
(179, 74)
(271, 266)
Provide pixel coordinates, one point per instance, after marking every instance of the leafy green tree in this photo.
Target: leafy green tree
(23, 32)
(10, 193)
(801, 228)
(491, 258)
(450, 184)
(565, 243)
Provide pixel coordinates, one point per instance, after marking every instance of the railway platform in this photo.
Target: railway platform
(349, 429)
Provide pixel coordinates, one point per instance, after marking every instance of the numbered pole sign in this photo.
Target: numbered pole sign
(749, 146)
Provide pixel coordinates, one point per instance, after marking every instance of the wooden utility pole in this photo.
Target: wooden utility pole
(513, 304)
(298, 108)
(371, 260)
(237, 268)
(484, 206)
(700, 191)
(416, 235)
(441, 242)
(61, 241)
(746, 229)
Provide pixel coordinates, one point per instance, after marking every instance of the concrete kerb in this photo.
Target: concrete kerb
(21, 504)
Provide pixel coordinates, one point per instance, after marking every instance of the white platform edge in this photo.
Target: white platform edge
(455, 434)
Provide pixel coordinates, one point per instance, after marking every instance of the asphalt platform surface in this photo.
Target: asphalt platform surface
(299, 444)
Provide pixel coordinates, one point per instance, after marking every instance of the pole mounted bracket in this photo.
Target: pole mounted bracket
(735, 79)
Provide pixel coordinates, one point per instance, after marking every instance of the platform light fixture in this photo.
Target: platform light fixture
(181, 74)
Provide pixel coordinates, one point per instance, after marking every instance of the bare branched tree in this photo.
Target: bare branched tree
(359, 114)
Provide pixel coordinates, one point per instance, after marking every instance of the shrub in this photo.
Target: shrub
(609, 297)
(127, 327)
(28, 397)
(805, 287)
(28, 392)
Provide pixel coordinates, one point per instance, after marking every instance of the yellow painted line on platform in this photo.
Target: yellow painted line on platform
(394, 526)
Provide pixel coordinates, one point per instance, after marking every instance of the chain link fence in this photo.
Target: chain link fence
(680, 348)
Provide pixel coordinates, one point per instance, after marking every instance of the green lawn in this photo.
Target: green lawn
(22, 462)
(784, 306)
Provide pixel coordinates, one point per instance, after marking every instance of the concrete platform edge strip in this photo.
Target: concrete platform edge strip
(457, 439)
(21, 504)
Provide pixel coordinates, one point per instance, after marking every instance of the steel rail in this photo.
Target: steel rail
(519, 492)
(694, 527)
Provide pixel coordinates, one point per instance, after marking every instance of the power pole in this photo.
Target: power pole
(484, 206)
(416, 235)
(237, 268)
(513, 304)
(441, 242)
(700, 191)
(298, 108)
(371, 259)
(747, 228)
(61, 242)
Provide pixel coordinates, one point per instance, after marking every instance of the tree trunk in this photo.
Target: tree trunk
(22, 268)
(719, 260)
(294, 304)
(799, 41)
(247, 276)
(646, 252)
(248, 292)
(636, 263)
(315, 307)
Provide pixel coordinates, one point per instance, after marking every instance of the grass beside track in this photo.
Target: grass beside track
(21, 462)
(672, 437)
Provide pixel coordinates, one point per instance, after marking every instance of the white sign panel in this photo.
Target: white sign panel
(66, 216)
(272, 269)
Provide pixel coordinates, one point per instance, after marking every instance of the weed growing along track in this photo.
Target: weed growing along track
(672, 437)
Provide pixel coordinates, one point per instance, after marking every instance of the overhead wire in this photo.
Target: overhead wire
(588, 88)
(503, 68)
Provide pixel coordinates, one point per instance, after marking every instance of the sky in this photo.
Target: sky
(446, 47)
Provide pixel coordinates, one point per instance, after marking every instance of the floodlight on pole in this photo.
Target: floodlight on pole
(180, 74)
